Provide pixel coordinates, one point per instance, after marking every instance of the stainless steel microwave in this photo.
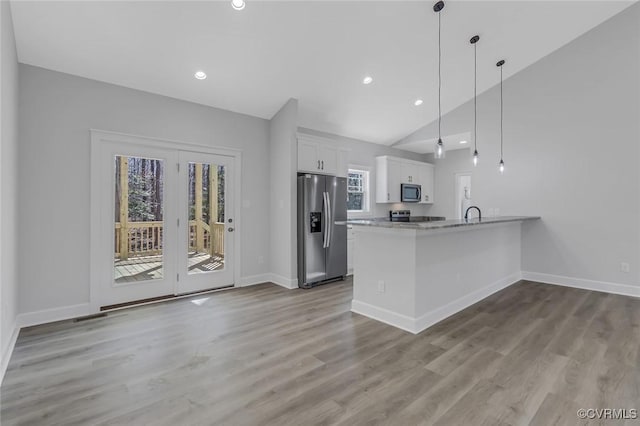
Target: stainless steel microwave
(410, 193)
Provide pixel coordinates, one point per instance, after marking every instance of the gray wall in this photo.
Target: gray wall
(8, 180)
(283, 159)
(363, 153)
(56, 112)
(572, 141)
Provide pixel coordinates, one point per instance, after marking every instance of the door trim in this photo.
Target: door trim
(98, 137)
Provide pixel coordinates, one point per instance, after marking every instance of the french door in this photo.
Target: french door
(165, 224)
(206, 222)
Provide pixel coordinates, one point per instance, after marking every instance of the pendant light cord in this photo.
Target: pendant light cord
(439, 76)
(475, 97)
(501, 114)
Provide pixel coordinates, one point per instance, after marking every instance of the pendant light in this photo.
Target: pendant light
(473, 41)
(439, 151)
(501, 164)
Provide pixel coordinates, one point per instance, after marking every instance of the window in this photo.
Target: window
(358, 191)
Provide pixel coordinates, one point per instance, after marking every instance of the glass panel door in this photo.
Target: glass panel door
(207, 211)
(162, 221)
(137, 210)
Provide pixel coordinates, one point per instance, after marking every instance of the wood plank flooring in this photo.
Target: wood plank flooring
(263, 355)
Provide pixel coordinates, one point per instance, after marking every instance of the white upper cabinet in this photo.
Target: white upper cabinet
(321, 156)
(426, 178)
(410, 173)
(389, 176)
(391, 172)
(308, 159)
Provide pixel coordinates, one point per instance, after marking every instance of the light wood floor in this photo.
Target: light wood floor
(530, 354)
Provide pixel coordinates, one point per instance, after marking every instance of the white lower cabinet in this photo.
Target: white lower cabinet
(350, 246)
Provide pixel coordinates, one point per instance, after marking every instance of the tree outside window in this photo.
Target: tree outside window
(358, 191)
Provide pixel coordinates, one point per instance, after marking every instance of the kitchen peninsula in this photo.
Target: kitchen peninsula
(414, 274)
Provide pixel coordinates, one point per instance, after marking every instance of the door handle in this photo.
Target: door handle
(325, 211)
(330, 221)
(318, 164)
(230, 229)
(322, 164)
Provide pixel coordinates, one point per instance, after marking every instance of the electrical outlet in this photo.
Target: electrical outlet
(381, 286)
(624, 267)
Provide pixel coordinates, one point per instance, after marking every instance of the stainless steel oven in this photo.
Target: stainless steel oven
(410, 193)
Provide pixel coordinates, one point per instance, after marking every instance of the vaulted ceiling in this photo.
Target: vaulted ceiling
(315, 51)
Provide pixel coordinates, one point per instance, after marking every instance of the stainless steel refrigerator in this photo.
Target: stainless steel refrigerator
(322, 229)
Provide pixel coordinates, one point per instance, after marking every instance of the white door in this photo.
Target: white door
(162, 220)
(136, 253)
(207, 222)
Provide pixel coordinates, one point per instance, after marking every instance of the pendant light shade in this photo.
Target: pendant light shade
(501, 164)
(474, 40)
(439, 150)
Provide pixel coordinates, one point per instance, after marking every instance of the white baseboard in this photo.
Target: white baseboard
(430, 318)
(386, 316)
(6, 353)
(416, 325)
(289, 283)
(602, 286)
(55, 314)
(254, 279)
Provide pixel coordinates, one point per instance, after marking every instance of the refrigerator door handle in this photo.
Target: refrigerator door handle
(325, 219)
(329, 221)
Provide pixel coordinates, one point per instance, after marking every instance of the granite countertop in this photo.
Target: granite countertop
(440, 224)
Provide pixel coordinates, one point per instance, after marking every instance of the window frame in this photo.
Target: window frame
(366, 191)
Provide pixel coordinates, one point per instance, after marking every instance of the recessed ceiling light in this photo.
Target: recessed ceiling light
(367, 80)
(238, 4)
(418, 102)
(200, 75)
(463, 142)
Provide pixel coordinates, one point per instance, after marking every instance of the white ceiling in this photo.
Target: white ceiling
(317, 52)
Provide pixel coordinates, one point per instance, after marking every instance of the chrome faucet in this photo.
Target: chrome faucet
(466, 214)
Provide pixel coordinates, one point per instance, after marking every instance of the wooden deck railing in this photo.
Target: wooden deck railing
(146, 238)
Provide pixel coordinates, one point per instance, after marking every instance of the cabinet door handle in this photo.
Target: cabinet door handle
(388, 196)
(318, 164)
(322, 164)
